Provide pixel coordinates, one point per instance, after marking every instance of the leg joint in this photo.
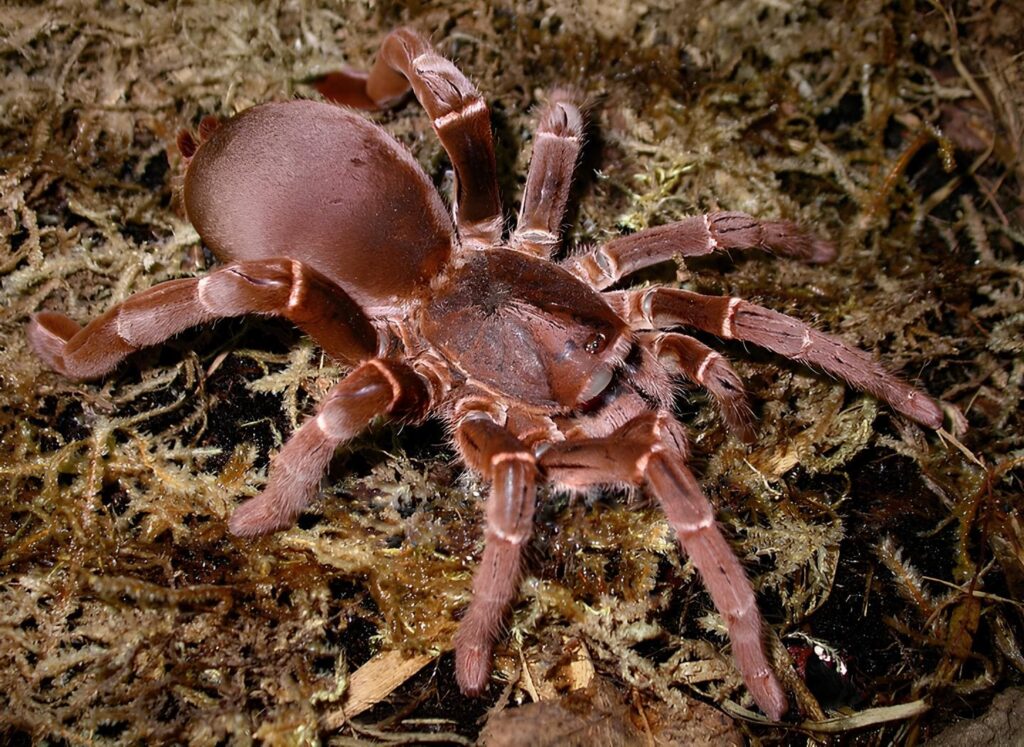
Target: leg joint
(455, 116)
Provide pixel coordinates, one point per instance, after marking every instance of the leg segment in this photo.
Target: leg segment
(501, 458)
(374, 388)
(275, 286)
(692, 237)
(736, 319)
(456, 108)
(188, 145)
(649, 450)
(556, 147)
(685, 356)
(692, 517)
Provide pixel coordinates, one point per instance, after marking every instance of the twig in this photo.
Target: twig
(838, 724)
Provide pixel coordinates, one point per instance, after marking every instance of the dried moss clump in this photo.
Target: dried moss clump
(127, 612)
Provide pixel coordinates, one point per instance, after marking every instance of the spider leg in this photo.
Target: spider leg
(511, 468)
(650, 450)
(692, 359)
(692, 237)
(375, 387)
(456, 108)
(274, 286)
(186, 141)
(556, 148)
(736, 319)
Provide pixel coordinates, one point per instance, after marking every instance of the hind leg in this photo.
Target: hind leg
(279, 287)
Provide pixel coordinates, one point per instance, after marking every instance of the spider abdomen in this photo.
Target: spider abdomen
(320, 184)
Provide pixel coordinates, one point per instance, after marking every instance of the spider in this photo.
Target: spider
(540, 371)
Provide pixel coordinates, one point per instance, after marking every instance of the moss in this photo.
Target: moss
(130, 614)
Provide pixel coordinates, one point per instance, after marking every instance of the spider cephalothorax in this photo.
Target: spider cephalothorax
(541, 373)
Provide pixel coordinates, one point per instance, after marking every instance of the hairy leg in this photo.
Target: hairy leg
(187, 143)
(556, 147)
(274, 286)
(501, 458)
(691, 237)
(692, 518)
(692, 359)
(375, 387)
(736, 319)
(650, 450)
(456, 108)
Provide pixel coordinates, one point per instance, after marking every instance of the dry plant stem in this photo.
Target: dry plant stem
(839, 724)
(881, 196)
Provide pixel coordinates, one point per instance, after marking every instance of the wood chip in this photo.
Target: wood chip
(374, 681)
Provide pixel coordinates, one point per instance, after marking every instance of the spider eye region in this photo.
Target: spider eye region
(596, 343)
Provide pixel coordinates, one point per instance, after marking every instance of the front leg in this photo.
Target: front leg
(736, 319)
(279, 287)
(511, 468)
(693, 237)
(651, 450)
(456, 109)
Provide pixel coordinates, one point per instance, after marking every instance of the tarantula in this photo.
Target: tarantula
(540, 371)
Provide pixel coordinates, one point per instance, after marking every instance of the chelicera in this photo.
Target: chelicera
(540, 371)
